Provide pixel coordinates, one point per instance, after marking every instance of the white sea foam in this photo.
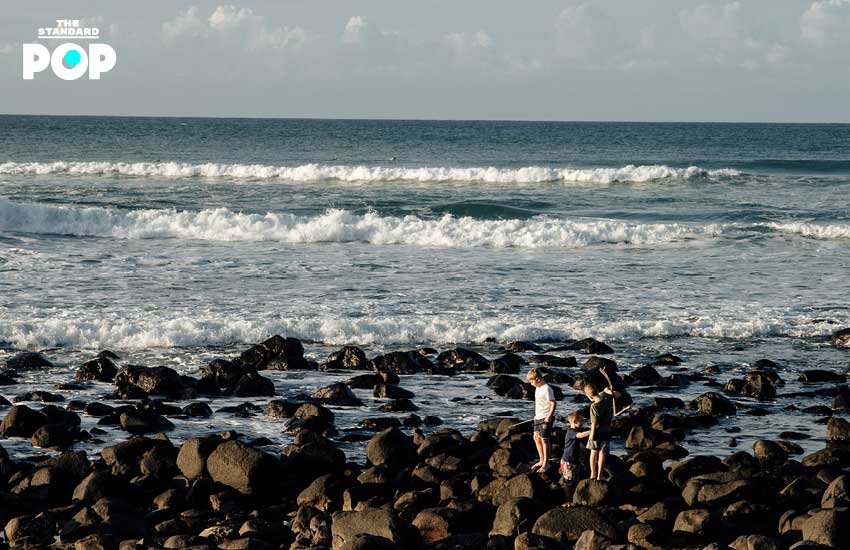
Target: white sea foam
(223, 224)
(813, 230)
(321, 172)
(128, 331)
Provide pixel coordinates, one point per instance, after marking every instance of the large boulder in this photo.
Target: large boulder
(254, 385)
(592, 492)
(502, 384)
(837, 430)
(311, 416)
(376, 522)
(324, 493)
(192, 458)
(221, 373)
(713, 404)
(694, 524)
(391, 448)
(401, 362)
(28, 360)
(245, 469)
(31, 531)
(100, 368)
(337, 394)
(142, 422)
(516, 515)
(150, 381)
(349, 357)
(463, 359)
(22, 421)
(438, 523)
(567, 524)
(829, 527)
(837, 494)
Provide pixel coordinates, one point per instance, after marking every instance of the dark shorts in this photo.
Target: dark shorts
(543, 428)
(598, 444)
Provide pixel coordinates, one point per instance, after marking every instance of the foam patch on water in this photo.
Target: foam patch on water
(322, 172)
(814, 231)
(222, 224)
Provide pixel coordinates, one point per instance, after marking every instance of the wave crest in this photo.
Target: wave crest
(222, 224)
(321, 172)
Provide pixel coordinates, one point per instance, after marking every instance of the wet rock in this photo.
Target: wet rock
(28, 360)
(247, 470)
(667, 359)
(379, 424)
(587, 345)
(22, 421)
(642, 438)
(221, 373)
(254, 385)
(391, 391)
(437, 523)
(337, 394)
(40, 396)
(6, 380)
(398, 405)
(150, 381)
(98, 409)
(567, 524)
(507, 364)
(502, 384)
(841, 338)
(197, 410)
(94, 486)
(646, 376)
(713, 404)
(141, 422)
(349, 357)
(101, 369)
(369, 381)
(376, 522)
(281, 408)
(681, 472)
(401, 362)
(554, 361)
(815, 376)
(391, 448)
(311, 416)
(755, 542)
(463, 359)
(54, 436)
(668, 403)
(756, 385)
(837, 430)
(769, 453)
(312, 454)
(520, 347)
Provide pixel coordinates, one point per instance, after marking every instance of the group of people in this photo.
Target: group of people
(573, 466)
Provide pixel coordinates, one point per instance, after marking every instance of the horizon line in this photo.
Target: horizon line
(423, 119)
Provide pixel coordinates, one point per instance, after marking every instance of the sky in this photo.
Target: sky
(647, 60)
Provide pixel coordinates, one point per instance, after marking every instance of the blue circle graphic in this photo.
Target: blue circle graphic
(72, 58)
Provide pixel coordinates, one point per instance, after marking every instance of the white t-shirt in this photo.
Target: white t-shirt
(542, 395)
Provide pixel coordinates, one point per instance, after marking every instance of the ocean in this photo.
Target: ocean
(173, 241)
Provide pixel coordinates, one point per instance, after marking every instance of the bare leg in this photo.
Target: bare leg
(594, 458)
(544, 455)
(538, 442)
(601, 467)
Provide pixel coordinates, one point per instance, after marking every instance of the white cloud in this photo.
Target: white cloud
(464, 43)
(586, 35)
(232, 23)
(826, 22)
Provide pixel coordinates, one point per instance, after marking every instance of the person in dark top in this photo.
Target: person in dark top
(601, 416)
(572, 461)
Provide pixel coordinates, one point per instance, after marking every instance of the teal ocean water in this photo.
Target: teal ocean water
(173, 240)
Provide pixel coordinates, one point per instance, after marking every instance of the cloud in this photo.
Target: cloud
(587, 36)
(826, 22)
(465, 43)
(233, 24)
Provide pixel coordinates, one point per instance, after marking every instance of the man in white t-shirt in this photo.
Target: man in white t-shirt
(544, 412)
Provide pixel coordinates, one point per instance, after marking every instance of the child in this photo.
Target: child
(572, 461)
(544, 411)
(601, 415)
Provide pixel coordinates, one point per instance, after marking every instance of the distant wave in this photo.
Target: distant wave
(222, 224)
(320, 172)
(128, 330)
(813, 230)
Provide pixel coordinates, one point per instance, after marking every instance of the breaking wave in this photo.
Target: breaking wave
(321, 172)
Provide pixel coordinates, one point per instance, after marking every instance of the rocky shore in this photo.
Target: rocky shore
(421, 485)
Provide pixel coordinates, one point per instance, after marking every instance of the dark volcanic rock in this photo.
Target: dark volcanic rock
(54, 436)
(349, 357)
(222, 373)
(311, 416)
(41, 396)
(507, 364)
(463, 359)
(819, 375)
(402, 362)
(391, 448)
(140, 422)
(151, 381)
(22, 421)
(398, 405)
(391, 391)
(837, 430)
(503, 383)
(101, 369)
(376, 522)
(254, 385)
(567, 524)
(713, 404)
(337, 394)
(28, 360)
(247, 470)
(841, 338)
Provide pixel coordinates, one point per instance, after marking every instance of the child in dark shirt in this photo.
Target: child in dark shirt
(572, 461)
